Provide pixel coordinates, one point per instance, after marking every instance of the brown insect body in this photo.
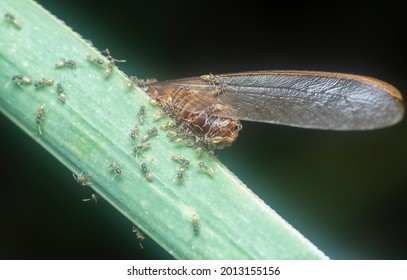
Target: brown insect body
(193, 106)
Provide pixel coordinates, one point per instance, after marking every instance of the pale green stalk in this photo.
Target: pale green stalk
(91, 131)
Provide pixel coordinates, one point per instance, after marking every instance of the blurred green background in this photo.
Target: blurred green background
(345, 191)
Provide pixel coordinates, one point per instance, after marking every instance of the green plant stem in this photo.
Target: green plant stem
(91, 130)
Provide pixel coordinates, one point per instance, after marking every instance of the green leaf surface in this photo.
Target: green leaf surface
(91, 130)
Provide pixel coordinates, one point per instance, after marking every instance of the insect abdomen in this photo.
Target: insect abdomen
(197, 114)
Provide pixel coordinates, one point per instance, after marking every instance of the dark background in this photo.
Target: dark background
(345, 191)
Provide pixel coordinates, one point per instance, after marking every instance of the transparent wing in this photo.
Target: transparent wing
(319, 100)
